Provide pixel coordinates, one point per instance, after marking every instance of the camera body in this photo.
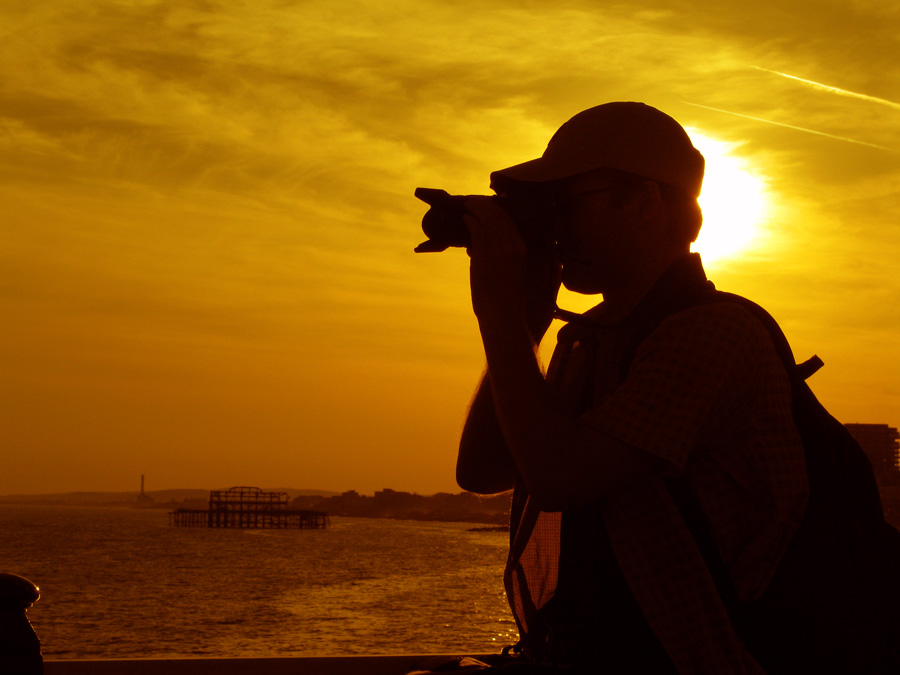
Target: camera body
(444, 226)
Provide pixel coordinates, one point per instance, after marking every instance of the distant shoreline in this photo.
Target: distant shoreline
(125, 498)
(409, 507)
(491, 512)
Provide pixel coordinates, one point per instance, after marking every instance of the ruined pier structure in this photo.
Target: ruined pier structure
(249, 507)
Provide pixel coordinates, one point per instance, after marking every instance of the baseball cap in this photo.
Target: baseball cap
(624, 135)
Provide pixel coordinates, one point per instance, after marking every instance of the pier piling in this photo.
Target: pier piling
(249, 507)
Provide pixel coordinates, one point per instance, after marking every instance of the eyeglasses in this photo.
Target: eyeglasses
(565, 205)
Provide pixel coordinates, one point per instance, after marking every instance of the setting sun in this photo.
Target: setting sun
(734, 201)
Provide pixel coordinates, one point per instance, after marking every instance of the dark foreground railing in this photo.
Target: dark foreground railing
(311, 665)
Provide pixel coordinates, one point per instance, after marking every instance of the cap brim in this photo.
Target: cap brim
(543, 170)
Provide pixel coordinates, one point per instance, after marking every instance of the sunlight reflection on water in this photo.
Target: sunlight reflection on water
(122, 583)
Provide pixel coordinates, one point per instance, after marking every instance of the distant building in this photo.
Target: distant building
(881, 444)
(144, 499)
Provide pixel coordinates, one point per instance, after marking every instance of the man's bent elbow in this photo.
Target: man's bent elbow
(481, 482)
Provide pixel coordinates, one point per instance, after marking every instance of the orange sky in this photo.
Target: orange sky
(207, 220)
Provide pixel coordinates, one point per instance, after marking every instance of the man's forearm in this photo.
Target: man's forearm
(526, 410)
(564, 464)
(484, 464)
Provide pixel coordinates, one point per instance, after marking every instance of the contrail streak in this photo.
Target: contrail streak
(834, 90)
(791, 126)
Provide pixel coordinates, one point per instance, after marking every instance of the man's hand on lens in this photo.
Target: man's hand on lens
(508, 281)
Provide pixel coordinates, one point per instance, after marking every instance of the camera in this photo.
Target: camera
(444, 226)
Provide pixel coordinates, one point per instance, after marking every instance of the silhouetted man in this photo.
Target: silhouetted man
(603, 569)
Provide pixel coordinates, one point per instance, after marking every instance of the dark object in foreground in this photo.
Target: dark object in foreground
(20, 648)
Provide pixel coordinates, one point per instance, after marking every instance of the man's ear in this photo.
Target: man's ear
(650, 199)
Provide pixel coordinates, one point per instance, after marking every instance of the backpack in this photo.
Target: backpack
(833, 604)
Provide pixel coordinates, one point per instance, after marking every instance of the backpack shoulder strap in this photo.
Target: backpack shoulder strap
(797, 372)
(706, 295)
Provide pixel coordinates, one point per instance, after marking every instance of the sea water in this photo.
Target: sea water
(120, 582)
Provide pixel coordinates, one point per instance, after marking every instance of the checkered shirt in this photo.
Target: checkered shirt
(707, 393)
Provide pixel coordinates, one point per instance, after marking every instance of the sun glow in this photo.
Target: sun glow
(734, 201)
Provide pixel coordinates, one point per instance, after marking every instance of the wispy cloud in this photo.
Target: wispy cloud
(791, 126)
(833, 90)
